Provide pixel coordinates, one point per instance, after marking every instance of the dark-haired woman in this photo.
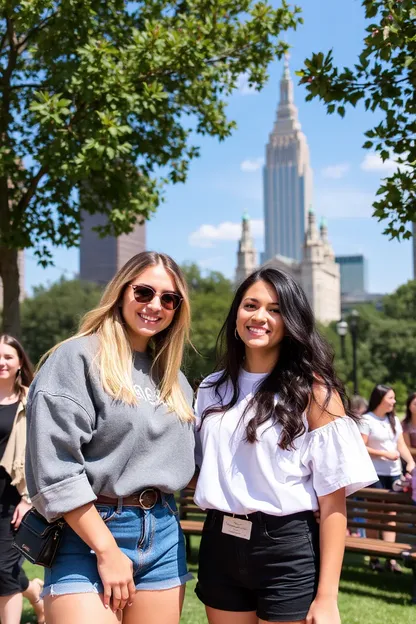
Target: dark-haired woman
(274, 445)
(409, 424)
(383, 436)
(15, 377)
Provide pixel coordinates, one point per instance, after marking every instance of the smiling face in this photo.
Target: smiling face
(9, 362)
(145, 320)
(389, 401)
(259, 323)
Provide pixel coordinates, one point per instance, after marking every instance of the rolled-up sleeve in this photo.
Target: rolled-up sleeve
(337, 458)
(57, 428)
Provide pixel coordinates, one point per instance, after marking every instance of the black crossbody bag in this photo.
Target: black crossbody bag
(37, 539)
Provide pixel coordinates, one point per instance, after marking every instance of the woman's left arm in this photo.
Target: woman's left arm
(405, 454)
(333, 522)
(333, 525)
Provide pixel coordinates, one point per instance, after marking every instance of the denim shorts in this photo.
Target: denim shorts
(151, 538)
(275, 573)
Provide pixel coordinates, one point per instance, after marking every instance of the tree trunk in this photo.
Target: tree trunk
(9, 274)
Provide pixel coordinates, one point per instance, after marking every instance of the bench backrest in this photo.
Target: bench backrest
(369, 508)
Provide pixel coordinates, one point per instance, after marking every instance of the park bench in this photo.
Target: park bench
(368, 508)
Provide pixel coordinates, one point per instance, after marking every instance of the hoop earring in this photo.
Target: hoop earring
(237, 337)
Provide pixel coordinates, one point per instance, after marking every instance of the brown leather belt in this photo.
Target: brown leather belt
(145, 499)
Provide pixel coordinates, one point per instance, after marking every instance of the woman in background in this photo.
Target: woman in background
(15, 376)
(383, 436)
(409, 424)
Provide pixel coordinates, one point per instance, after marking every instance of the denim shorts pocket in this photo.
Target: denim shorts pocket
(106, 513)
(169, 503)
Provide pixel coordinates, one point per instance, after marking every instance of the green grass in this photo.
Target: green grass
(366, 597)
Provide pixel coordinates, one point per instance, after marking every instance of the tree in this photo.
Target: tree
(103, 98)
(385, 79)
(401, 305)
(211, 298)
(53, 314)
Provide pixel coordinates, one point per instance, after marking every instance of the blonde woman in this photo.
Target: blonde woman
(110, 429)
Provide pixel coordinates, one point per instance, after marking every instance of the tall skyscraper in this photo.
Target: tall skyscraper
(353, 274)
(287, 180)
(246, 255)
(101, 258)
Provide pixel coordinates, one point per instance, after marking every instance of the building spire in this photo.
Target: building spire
(287, 113)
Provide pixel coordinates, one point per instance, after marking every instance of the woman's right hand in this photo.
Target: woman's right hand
(116, 573)
(392, 455)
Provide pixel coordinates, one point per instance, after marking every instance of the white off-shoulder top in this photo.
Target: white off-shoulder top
(239, 477)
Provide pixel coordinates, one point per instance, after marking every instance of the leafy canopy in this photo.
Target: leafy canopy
(103, 98)
(385, 80)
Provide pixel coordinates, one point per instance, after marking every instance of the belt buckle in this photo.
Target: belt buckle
(141, 500)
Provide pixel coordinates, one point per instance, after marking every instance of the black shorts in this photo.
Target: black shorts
(13, 580)
(385, 482)
(275, 573)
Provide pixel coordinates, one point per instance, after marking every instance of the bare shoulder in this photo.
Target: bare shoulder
(324, 406)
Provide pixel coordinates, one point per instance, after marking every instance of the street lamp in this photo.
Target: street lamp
(342, 329)
(353, 324)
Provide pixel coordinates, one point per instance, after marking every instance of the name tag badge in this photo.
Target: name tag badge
(237, 527)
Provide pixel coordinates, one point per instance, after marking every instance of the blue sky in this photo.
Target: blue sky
(200, 221)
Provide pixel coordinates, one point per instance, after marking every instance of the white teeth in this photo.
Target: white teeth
(149, 319)
(258, 330)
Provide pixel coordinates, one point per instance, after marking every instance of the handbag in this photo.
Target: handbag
(37, 539)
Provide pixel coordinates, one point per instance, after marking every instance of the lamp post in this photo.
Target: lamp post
(353, 324)
(342, 329)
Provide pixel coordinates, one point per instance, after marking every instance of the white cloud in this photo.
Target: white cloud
(207, 235)
(243, 86)
(252, 165)
(335, 172)
(373, 162)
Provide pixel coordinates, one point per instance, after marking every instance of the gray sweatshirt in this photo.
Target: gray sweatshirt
(82, 443)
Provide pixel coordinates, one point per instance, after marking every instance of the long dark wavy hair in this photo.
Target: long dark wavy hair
(408, 418)
(284, 395)
(376, 398)
(24, 376)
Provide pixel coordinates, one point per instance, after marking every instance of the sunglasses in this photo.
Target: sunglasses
(146, 294)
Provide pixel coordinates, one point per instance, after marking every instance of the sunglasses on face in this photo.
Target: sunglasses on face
(146, 294)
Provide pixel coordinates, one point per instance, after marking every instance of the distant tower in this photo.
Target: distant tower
(101, 258)
(287, 179)
(246, 255)
(328, 249)
(319, 273)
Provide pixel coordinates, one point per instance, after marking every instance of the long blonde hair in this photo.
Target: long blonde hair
(115, 356)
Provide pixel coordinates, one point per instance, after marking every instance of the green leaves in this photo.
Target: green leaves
(385, 78)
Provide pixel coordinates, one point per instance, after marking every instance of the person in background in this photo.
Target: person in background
(15, 376)
(383, 436)
(110, 439)
(358, 405)
(409, 424)
(274, 444)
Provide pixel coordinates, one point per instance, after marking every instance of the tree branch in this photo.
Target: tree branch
(22, 43)
(25, 200)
